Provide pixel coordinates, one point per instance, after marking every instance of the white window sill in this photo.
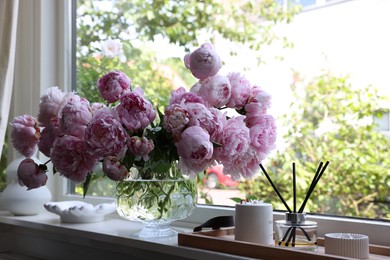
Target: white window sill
(43, 236)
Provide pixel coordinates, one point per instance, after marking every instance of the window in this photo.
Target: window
(55, 45)
(383, 122)
(312, 4)
(99, 30)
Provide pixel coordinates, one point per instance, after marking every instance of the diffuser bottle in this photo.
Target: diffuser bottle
(296, 232)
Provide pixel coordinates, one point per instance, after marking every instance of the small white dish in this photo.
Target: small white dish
(80, 212)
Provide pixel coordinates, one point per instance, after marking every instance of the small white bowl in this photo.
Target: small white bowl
(80, 212)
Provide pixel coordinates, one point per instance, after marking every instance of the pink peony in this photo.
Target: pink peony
(72, 158)
(233, 140)
(113, 169)
(50, 105)
(215, 125)
(135, 111)
(243, 167)
(176, 119)
(31, 174)
(96, 106)
(199, 114)
(215, 90)
(25, 134)
(74, 116)
(258, 103)
(105, 134)
(263, 134)
(113, 85)
(181, 96)
(240, 90)
(140, 146)
(204, 62)
(48, 136)
(196, 87)
(195, 151)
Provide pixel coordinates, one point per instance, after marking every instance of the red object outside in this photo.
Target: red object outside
(215, 178)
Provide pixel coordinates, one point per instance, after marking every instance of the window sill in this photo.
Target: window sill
(43, 236)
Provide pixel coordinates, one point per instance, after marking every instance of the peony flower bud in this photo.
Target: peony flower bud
(113, 169)
(140, 146)
(204, 62)
(31, 175)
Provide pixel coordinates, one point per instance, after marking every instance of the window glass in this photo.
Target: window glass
(383, 123)
(326, 85)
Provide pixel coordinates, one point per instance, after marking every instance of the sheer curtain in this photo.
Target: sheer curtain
(8, 25)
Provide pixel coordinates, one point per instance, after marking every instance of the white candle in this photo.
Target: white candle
(254, 222)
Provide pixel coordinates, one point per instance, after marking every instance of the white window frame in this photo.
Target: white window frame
(44, 59)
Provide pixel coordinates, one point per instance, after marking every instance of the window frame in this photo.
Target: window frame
(47, 62)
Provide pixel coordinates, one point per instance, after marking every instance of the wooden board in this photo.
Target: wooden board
(222, 240)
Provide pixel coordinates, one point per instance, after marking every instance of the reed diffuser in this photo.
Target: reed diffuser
(295, 231)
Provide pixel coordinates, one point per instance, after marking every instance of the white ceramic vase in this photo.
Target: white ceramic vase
(17, 199)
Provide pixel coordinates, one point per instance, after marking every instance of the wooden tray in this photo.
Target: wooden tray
(222, 240)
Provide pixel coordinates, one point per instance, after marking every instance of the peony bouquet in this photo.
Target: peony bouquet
(132, 139)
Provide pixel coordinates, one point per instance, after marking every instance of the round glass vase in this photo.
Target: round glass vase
(296, 232)
(156, 203)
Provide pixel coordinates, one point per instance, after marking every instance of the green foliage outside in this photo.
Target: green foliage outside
(330, 120)
(357, 179)
(135, 23)
(181, 22)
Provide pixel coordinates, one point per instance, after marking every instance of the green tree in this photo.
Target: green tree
(181, 22)
(135, 23)
(330, 120)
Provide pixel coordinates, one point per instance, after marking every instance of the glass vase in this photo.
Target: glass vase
(296, 232)
(156, 203)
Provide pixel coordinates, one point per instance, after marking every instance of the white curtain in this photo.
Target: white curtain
(8, 25)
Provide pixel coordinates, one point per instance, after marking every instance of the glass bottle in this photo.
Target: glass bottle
(296, 232)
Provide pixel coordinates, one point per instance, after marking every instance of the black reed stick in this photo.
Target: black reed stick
(311, 184)
(305, 233)
(294, 189)
(293, 242)
(285, 236)
(314, 182)
(292, 231)
(290, 235)
(275, 189)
